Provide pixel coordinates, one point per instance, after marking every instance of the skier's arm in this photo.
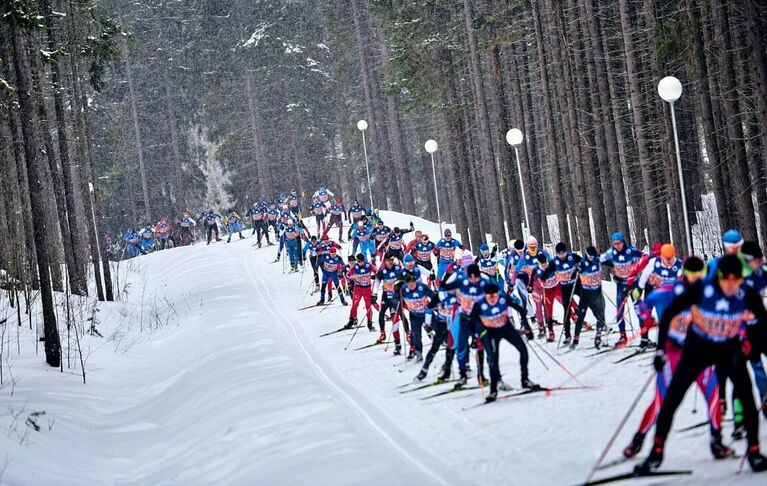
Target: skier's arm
(645, 275)
(756, 334)
(682, 302)
(451, 283)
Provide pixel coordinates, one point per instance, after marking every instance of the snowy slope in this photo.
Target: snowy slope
(236, 387)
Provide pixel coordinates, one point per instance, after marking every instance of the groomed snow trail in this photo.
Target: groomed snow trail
(238, 388)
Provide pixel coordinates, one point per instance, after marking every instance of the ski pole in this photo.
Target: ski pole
(620, 427)
(355, 333)
(555, 360)
(537, 355)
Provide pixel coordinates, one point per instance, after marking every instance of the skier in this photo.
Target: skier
(590, 276)
(331, 265)
(732, 241)
(416, 297)
(513, 255)
(719, 307)
(164, 234)
(661, 269)
(355, 212)
(524, 275)
(394, 244)
(131, 240)
(293, 203)
(313, 247)
(623, 259)
(381, 234)
(659, 299)
(409, 263)
(488, 263)
(757, 280)
(386, 278)
(337, 213)
(318, 210)
(186, 223)
(233, 223)
(272, 218)
(491, 316)
(422, 250)
(565, 265)
(147, 239)
(547, 276)
(292, 235)
(364, 234)
(361, 274)
(445, 252)
(210, 218)
(469, 286)
(446, 306)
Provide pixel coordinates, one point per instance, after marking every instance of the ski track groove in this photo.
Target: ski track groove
(264, 292)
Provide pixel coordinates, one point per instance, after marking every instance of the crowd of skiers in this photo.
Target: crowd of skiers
(710, 317)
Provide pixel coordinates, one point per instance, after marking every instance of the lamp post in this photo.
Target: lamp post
(362, 125)
(515, 137)
(670, 90)
(431, 147)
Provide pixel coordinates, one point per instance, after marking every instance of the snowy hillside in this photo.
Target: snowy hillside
(229, 383)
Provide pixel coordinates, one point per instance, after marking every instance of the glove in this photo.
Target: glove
(495, 249)
(373, 299)
(659, 361)
(635, 294)
(432, 277)
(745, 346)
(411, 226)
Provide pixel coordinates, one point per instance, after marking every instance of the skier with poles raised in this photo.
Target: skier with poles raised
(622, 258)
(659, 299)
(719, 308)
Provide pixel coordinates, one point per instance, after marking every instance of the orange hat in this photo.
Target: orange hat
(668, 251)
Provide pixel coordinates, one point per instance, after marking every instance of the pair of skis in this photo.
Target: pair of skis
(529, 391)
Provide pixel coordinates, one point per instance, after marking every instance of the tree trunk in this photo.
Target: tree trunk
(78, 276)
(36, 175)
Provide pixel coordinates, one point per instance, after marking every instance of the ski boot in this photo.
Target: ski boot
(566, 341)
(756, 460)
(418, 357)
(259, 244)
(351, 324)
(321, 302)
(653, 461)
(382, 338)
(645, 344)
(276, 259)
(218, 239)
(739, 432)
(397, 350)
(530, 385)
(622, 341)
(490, 397)
(444, 374)
(635, 447)
(410, 353)
(718, 449)
(551, 336)
(462, 380)
(343, 302)
(421, 375)
(541, 333)
(598, 341)
(527, 331)
(574, 344)
(370, 326)
(503, 386)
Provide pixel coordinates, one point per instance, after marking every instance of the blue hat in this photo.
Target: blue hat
(732, 237)
(408, 258)
(617, 236)
(483, 247)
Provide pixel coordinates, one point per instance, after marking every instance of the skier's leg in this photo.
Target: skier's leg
(491, 343)
(742, 388)
(620, 300)
(513, 337)
(440, 334)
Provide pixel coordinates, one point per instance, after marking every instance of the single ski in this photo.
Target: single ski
(338, 330)
(616, 462)
(377, 343)
(629, 356)
(699, 425)
(451, 390)
(530, 391)
(422, 387)
(634, 475)
(313, 305)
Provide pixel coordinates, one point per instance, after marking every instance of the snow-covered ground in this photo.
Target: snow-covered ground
(229, 383)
